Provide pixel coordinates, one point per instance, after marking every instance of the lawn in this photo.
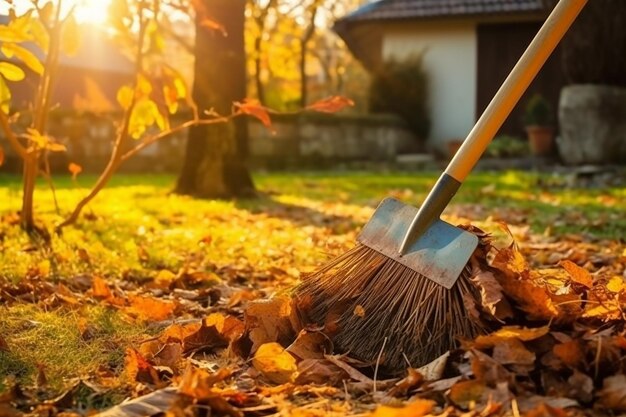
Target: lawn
(138, 238)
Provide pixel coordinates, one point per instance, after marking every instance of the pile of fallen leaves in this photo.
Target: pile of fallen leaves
(223, 349)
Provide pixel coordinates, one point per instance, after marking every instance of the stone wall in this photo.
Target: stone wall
(304, 140)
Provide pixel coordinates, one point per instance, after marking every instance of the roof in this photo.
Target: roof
(417, 9)
(363, 29)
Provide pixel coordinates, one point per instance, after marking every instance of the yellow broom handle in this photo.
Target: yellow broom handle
(514, 87)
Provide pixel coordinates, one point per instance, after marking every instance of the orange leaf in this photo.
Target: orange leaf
(150, 308)
(331, 104)
(571, 353)
(417, 408)
(138, 369)
(100, 289)
(578, 274)
(523, 334)
(254, 108)
(74, 169)
(199, 383)
(1, 156)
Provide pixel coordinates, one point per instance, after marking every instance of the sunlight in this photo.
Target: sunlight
(87, 11)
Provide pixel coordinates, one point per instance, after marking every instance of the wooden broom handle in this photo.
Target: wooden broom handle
(537, 53)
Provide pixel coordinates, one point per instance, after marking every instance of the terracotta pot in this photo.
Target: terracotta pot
(541, 139)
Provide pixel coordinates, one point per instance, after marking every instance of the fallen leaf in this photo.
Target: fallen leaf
(169, 354)
(490, 292)
(523, 334)
(275, 363)
(310, 345)
(613, 393)
(577, 274)
(200, 383)
(359, 311)
(615, 284)
(150, 308)
(156, 402)
(512, 352)
(464, 393)
(417, 408)
(321, 372)
(413, 379)
(433, 371)
(100, 289)
(137, 368)
(269, 321)
(570, 353)
(533, 299)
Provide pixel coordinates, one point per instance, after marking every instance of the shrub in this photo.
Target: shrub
(538, 112)
(594, 49)
(507, 147)
(400, 87)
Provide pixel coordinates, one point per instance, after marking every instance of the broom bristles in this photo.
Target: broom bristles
(363, 297)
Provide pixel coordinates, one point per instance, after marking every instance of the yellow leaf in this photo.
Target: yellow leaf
(11, 71)
(145, 114)
(417, 408)
(39, 140)
(5, 96)
(40, 35)
(144, 86)
(275, 363)
(45, 12)
(523, 334)
(615, 284)
(55, 147)
(70, 41)
(125, 96)
(24, 55)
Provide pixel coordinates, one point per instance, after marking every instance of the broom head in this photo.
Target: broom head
(417, 305)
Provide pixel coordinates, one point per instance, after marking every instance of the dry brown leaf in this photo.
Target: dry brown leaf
(512, 352)
(150, 308)
(533, 299)
(417, 408)
(269, 321)
(523, 334)
(310, 345)
(464, 393)
(486, 370)
(433, 371)
(320, 371)
(613, 393)
(169, 354)
(577, 274)
(491, 294)
(275, 363)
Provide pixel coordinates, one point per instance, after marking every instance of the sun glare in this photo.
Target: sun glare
(86, 11)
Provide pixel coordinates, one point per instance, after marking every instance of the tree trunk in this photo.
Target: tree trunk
(214, 165)
(304, 43)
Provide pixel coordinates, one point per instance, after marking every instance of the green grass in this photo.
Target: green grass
(54, 340)
(137, 228)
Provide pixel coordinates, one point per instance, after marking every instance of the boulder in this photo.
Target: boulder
(592, 121)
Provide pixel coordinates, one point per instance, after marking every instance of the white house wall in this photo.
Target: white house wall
(450, 55)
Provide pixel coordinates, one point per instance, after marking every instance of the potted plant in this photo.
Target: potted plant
(592, 106)
(539, 125)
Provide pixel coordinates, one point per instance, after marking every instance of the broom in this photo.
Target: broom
(402, 296)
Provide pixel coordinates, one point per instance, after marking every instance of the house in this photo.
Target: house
(469, 47)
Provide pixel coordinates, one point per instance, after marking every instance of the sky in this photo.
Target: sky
(87, 11)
